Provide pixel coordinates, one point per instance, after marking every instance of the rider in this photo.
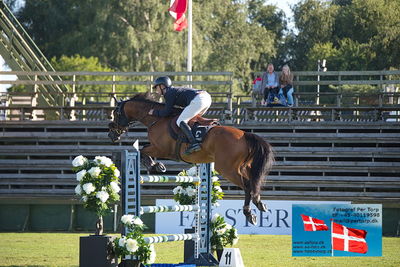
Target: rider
(195, 102)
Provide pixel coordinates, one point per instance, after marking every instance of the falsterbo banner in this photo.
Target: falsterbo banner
(276, 221)
(337, 230)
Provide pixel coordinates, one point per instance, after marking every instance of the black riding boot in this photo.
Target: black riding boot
(194, 146)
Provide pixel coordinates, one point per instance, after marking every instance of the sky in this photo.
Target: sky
(282, 4)
(285, 5)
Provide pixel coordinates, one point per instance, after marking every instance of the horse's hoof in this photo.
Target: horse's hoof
(261, 206)
(160, 167)
(251, 218)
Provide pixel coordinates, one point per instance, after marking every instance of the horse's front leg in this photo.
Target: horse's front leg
(148, 161)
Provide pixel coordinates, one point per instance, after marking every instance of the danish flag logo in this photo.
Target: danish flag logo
(313, 224)
(348, 239)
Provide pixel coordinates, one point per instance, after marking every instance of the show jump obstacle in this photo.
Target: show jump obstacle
(202, 208)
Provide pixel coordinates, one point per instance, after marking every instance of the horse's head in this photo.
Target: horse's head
(120, 123)
(127, 112)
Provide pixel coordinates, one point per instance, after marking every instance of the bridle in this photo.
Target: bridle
(122, 122)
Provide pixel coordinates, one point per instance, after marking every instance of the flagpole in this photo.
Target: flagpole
(189, 41)
(331, 237)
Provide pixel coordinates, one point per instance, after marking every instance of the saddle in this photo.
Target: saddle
(200, 127)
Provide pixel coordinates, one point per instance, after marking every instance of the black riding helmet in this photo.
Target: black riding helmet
(166, 81)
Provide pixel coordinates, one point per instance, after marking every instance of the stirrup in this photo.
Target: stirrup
(192, 148)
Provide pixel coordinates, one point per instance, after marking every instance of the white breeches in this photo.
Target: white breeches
(198, 106)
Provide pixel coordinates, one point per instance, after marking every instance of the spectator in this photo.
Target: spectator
(257, 90)
(286, 84)
(269, 82)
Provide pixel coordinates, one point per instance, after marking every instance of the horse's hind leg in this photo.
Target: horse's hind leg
(255, 196)
(228, 172)
(259, 204)
(246, 208)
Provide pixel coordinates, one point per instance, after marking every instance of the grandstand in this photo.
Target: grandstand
(358, 161)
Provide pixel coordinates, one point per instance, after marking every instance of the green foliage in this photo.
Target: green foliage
(315, 21)
(351, 35)
(217, 193)
(185, 193)
(269, 17)
(130, 35)
(228, 35)
(271, 38)
(222, 233)
(80, 63)
(349, 55)
(256, 250)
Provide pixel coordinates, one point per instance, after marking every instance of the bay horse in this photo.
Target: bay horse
(241, 157)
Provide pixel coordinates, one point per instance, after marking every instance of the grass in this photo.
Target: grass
(62, 249)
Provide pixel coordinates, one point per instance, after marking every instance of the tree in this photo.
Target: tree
(79, 63)
(129, 35)
(364, 33)
(348, 55)
(235, 43)
(314, 21)
(124, 34)
(274, 21)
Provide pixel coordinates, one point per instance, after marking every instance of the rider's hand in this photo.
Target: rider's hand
(151, 111)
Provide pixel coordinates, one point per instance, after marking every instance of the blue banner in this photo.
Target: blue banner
(337, 230)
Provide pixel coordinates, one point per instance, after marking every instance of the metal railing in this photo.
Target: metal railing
(92, 95)
(21, 53)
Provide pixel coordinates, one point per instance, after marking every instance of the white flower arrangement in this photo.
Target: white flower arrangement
(133, 243)
(115, 187)
(192, 171)
(78, 190)
(222, 233)
(186, 193)
(79, 161)
(103, 161)
(80, 175)
(98, 185)
(88, 188)
(103, 196)
(94, 172)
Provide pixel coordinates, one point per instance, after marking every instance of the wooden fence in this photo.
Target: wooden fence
(104, 86)
(239, 115)
(338, 161)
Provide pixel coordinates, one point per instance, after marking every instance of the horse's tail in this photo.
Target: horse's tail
(261, 156)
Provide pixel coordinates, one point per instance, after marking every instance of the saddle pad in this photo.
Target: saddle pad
(200, 127)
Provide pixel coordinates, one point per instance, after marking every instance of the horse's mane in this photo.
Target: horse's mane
(149, 99)
(144, 97)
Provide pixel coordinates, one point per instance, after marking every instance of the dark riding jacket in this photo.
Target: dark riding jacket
(176, 96)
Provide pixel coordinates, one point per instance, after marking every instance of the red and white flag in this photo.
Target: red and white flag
(177, 10)
(313, 224)
(348, 239)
